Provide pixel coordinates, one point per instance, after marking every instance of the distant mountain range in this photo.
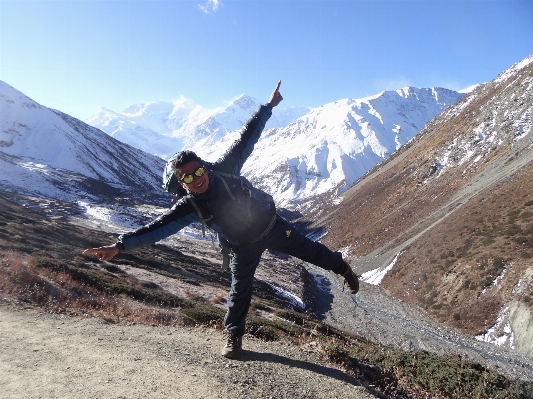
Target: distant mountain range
(164, 128)
(303, 152)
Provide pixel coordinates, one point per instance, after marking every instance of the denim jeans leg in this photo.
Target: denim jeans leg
(285, 238)
(243, 265)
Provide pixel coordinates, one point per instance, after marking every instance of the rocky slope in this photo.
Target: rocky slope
(448, 218)
(188, 268)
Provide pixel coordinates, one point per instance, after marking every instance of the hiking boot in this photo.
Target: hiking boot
(233, 345)
(351, 280)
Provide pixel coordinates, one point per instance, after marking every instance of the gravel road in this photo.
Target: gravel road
(53, 356)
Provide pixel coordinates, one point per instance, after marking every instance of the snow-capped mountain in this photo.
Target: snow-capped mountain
(329, 148)
(164, 128)
(47, 153)
(303, 152)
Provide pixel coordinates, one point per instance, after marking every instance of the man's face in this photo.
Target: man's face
(200, 183)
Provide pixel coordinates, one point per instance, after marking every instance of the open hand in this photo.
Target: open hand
(103, 253)
(276, 97)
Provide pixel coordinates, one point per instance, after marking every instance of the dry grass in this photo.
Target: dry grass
(57, 292)
(217, 300)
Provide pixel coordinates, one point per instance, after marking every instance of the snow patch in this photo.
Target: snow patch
(375, 276)
(293, 299)
(345, 251)
(501, 333)
(337, 201)
(495, 282)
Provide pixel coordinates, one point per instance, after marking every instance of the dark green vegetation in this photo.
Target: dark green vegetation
(42, 266)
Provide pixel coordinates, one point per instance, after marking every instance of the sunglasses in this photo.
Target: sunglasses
(189, 177)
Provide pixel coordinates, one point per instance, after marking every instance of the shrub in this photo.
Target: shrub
(204, 313)
(292, 316)
(513, 215)
(262, 331)
(526, 215)
(149, 284)
(513, 230)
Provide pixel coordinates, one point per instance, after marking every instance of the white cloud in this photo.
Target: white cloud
(211, 6)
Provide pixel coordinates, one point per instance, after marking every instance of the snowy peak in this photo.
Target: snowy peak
(161, 108)
(47, 153)
(182, 109)
(330, 147)
(514, 69)
(244, 102)
(164, 128)
(308, 151)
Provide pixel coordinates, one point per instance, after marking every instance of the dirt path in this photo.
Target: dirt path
(52, 356)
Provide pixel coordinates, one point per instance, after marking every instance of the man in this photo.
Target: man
(241, 214)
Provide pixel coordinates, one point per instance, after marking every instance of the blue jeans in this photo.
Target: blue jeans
(283, 238)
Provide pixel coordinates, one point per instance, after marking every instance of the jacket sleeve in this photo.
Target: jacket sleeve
(233, 160)
(178, 217)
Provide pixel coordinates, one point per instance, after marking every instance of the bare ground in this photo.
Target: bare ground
(53, 356)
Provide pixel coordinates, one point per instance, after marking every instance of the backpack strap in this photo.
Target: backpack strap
(267, 230)
(219, 175)
(199, 213)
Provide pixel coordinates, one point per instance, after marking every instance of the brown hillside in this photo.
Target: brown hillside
(457, 204)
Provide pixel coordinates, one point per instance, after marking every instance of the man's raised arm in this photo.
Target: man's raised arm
(239, 152)
(275, 97)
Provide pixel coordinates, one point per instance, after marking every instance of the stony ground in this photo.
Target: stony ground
(374, 314)
(51, 356)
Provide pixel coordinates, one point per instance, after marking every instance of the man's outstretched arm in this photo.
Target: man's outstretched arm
(172, 221)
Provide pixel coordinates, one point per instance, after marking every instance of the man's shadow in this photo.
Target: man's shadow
(320, 297)
(250, 356)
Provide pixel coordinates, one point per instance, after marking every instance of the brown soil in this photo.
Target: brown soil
(52, 356)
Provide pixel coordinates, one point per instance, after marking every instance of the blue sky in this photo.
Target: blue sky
(77, 56)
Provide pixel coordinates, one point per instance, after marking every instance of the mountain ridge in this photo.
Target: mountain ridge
(52, 154)
(448, 217)
(300, 160)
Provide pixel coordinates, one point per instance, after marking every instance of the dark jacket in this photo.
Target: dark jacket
(233, 208)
